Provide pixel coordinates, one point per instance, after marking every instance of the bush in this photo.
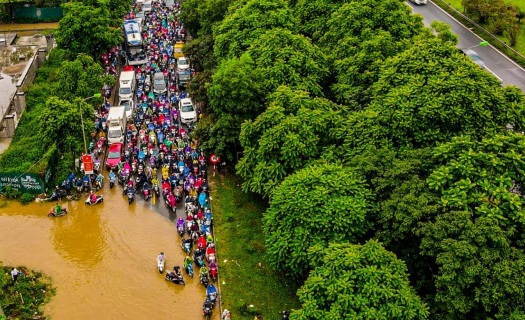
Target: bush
(11, 193)
(26, 198)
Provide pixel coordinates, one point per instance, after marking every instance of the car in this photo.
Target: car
(115, 152)
(474, 56)
(170, 3)
(418, 2)
(129, 107)
(159, 83)
(140, 1)
(140, 14)
(183, 63)
(146, 7)
(187, 111)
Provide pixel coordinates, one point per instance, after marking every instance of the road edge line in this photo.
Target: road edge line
(464, 26)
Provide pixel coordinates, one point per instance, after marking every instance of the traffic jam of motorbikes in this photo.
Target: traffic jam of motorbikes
(144, 141)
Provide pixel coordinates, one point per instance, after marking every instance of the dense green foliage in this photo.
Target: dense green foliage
(375, 129)
(357, 282)
(34, 288)
(292, 132)
(52, 116)
(87, 29)
(314, 206)
(242, 26)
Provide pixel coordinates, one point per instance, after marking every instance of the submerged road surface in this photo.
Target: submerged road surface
(101, 258)
(507, 70)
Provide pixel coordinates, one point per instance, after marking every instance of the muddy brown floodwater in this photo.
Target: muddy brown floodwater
(101, 259)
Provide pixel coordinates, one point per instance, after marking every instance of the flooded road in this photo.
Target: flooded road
(101, 258)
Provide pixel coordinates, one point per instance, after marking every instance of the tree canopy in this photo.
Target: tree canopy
(86, 29)
(293, 131)
(319, 204)
(241, 27)
(235, 95)
(357, 282)
(285, 58)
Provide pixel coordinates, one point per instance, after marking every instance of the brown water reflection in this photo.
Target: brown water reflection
(101, 259)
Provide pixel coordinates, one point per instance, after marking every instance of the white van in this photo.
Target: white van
(126, 85)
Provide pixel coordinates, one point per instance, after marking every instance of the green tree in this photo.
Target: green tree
(189, 16)
(294, 130)
(60, 123)
(200, 53)
(81, 78)
(313, 15)
(357, 282)
(288, 59)
(359, 37)
(242, 26)
(235, 95)
(420, 102)
(85, 29)
(116, 8)
(478, 241)
(319, 204)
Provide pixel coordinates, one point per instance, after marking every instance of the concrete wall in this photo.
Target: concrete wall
(9, 120)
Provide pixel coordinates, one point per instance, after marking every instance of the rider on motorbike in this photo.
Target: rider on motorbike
(112, 176)
(187, 262)
(58, 209)
(203, 272)
(100, 179)
(93, 197)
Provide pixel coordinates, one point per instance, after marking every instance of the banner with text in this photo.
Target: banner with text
(26, 182)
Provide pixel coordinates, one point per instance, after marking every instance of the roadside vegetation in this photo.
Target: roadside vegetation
(50, 130)
(25, 299)
(391, 178)
(503, 18)
(246, 277)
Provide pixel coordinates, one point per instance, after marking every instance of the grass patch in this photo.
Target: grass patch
(25, 299)
(247, 276)
(520, 46)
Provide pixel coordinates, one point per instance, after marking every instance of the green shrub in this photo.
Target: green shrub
(11, 193)
(26, 198)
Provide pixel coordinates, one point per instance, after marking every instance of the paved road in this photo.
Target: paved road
(508, 71)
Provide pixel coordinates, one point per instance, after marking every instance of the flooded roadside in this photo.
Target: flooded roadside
(101, 259)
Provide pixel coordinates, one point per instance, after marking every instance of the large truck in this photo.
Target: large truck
(126, 84)
(116, 124)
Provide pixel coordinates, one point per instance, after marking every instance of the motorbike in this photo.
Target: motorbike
(156, 189)
(211, 293)
(207, 311)
(55, 196)
(189, 270)
(85, 185)
(160, 266)
(146, 193)
(131, 196)
(100, 199)
(181, 226)
(205, 280)
(172, 277)
(186, 245)
(111, 182)
(98, 185)
(213, 271)
(52, 214)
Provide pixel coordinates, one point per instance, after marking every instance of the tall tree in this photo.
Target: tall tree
(359, 36)
(285, 58)
(293, 131)
(242, 26)
(86, 29)
(319, 204)
(235, 95)
(478, 241)
(357, 282)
